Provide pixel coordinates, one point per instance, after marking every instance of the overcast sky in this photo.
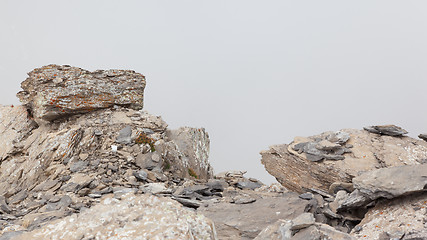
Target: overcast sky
(253, 73)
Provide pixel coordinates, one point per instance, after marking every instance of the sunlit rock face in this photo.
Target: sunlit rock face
(54, 91)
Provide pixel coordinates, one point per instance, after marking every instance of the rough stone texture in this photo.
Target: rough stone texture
(400, 216)
(423, 136)
(390, 130)
(237, 221)
(192, 147)
(281, 230)
(53, 91)
(133, 217)
(15, 127)
(74, 157)
(392, 182)
(369, 151)
(302, 221)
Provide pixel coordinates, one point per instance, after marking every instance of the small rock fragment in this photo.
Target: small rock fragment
(390, 130)
(248, 185)
(302, 221)
(125, 135)
(423, 136)
(141, 175)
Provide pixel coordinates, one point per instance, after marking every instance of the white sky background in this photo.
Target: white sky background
(253, 73)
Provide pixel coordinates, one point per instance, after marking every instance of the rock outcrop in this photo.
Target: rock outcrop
(82, 160)
(370, 182)
(389, 183)
(50, 169)
(133, 217)
(335, 158)
(399, 218)
(53, 91)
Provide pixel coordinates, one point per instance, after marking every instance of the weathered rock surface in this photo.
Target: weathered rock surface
(90, 170)
(386, 183)
(282, 230)
(423, 136)
(245, 221)
(390, 130)
(53, 91)
(53, 169)
(392, 182)
(193, 145)
(15, 127)
(400, 218)
(292, 165)
(133, 217)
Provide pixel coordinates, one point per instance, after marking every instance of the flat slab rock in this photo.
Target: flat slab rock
(390, 130)
(297, 172)
(392, 182)
(54, 91)
(245, 221)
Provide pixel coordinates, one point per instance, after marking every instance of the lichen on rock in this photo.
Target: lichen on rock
(54, 91)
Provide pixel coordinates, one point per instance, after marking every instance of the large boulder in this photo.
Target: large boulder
(54, 91)
(399, 218)
(191, 149)
(132, 217)
(333, 158)
(386, 183)
(392, 182)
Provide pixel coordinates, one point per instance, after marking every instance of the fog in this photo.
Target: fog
(253, 73)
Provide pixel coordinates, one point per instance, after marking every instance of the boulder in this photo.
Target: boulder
(54, 91)
(133, 217)
(386, 183)
(311, 162)
(392, 182)
(400, 218)
(188, 150)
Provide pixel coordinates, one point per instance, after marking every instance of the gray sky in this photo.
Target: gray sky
(253, 73)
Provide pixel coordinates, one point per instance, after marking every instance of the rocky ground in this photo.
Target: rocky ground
(80, 159)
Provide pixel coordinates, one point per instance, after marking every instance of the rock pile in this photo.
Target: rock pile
(88, 148)
(377, 190)
(82, 160)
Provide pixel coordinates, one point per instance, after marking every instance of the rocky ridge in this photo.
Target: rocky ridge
(102, 168)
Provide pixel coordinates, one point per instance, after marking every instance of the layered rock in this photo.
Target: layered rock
(390, 130)
(52, 169)
(301, 228)
(77, 156)
(54, 91)
(331, 159)
(242, 219)
(399, 218)
(132, 217)
(392, 182)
